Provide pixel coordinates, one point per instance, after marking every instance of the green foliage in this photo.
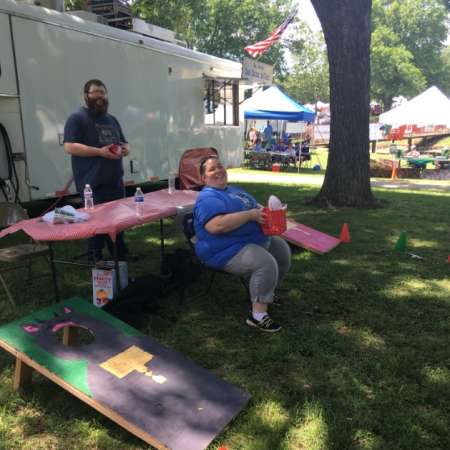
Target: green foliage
(238, 24)
(392, 68)
(409, 34)
(220, 27)
(176, 15)
(308, 80)
(444, 83)
(74, 5)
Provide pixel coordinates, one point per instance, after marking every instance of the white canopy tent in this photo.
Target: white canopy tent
(431, 107)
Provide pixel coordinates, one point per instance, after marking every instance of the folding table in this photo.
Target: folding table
(108, 218)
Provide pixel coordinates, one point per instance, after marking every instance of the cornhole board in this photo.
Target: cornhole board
(309, 238)
(154, 392)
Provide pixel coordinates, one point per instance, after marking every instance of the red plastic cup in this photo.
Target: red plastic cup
(275, 223)
(116, 149)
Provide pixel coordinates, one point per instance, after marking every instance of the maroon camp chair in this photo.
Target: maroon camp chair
(189, 170)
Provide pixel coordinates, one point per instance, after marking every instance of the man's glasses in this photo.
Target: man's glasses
(98, 92)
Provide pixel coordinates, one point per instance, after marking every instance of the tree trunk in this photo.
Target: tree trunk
(346, 27)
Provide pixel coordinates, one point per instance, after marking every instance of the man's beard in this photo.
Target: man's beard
(98, 106)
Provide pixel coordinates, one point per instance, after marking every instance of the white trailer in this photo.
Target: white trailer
(159, 91)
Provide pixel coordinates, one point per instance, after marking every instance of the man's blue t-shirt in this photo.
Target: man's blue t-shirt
(268, 132)
(86, 128)
(216, 250)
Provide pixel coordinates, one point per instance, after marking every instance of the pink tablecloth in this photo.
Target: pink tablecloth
(309, 238)
(108, 218)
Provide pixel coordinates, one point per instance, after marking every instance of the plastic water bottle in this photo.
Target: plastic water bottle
(139, 201)
(88, 197)
(172, 178)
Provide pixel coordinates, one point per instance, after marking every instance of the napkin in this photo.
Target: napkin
(274, 203)
(66, 214)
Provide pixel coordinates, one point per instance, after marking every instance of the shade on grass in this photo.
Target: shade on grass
(361, 362)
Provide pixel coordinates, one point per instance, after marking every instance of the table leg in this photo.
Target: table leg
(22, 375)
(53, 270)
(162, 250)
(116, 267)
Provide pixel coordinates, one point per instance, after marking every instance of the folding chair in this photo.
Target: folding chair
(11, 213)
(305, 160)
(189, 169)
(189, 233)
(190, 178)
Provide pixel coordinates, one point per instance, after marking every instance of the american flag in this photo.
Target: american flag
(261, 47)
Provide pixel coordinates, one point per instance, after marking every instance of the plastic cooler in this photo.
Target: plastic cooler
(275, 223)
(276, 167)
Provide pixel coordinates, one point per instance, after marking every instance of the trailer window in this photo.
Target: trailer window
(221, 102)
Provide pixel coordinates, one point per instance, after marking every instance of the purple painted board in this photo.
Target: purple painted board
(309, 238)
(177, 402)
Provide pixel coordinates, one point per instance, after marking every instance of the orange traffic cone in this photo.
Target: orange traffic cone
(345, 234)
(394, 172)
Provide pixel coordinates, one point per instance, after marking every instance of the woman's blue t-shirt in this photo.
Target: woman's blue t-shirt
(216, 250)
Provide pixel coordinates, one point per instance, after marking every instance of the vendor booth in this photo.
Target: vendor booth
(427, 114)
(273, 104)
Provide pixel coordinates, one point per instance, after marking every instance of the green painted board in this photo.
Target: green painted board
(154, 392)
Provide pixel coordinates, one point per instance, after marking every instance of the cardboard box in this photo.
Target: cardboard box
(104, 285)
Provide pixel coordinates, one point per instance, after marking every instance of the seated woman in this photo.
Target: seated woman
(304, 151)
(258, 146)
(305, 148)
(227, 222)
(280, 147)
(252, 135)
(292, 152)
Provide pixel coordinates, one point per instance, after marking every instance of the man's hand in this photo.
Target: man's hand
(106, 152)
(125, 148)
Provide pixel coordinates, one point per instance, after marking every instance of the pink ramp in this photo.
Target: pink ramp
(308, 238)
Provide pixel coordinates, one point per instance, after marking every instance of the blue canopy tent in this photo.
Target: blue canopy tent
(276, 105)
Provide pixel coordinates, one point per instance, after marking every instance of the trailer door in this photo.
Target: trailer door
(7, 69)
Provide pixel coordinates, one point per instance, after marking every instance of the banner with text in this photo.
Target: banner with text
(256, 72)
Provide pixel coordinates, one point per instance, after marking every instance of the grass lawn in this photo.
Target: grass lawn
(362, 362)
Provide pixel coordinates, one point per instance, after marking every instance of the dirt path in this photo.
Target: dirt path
(260, 176)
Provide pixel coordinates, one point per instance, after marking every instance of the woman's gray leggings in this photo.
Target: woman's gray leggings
(264, 265)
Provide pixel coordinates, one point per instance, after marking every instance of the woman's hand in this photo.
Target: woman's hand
(258, 215)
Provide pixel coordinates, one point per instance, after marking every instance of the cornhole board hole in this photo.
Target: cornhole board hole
(154, 392)
(309, 238)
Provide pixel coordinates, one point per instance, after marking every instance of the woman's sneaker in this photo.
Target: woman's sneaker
(265, 324)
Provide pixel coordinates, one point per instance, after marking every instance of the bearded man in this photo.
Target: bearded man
(95, 141)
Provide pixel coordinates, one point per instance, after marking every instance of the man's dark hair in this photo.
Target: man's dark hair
(203, 162)
(93, 82)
